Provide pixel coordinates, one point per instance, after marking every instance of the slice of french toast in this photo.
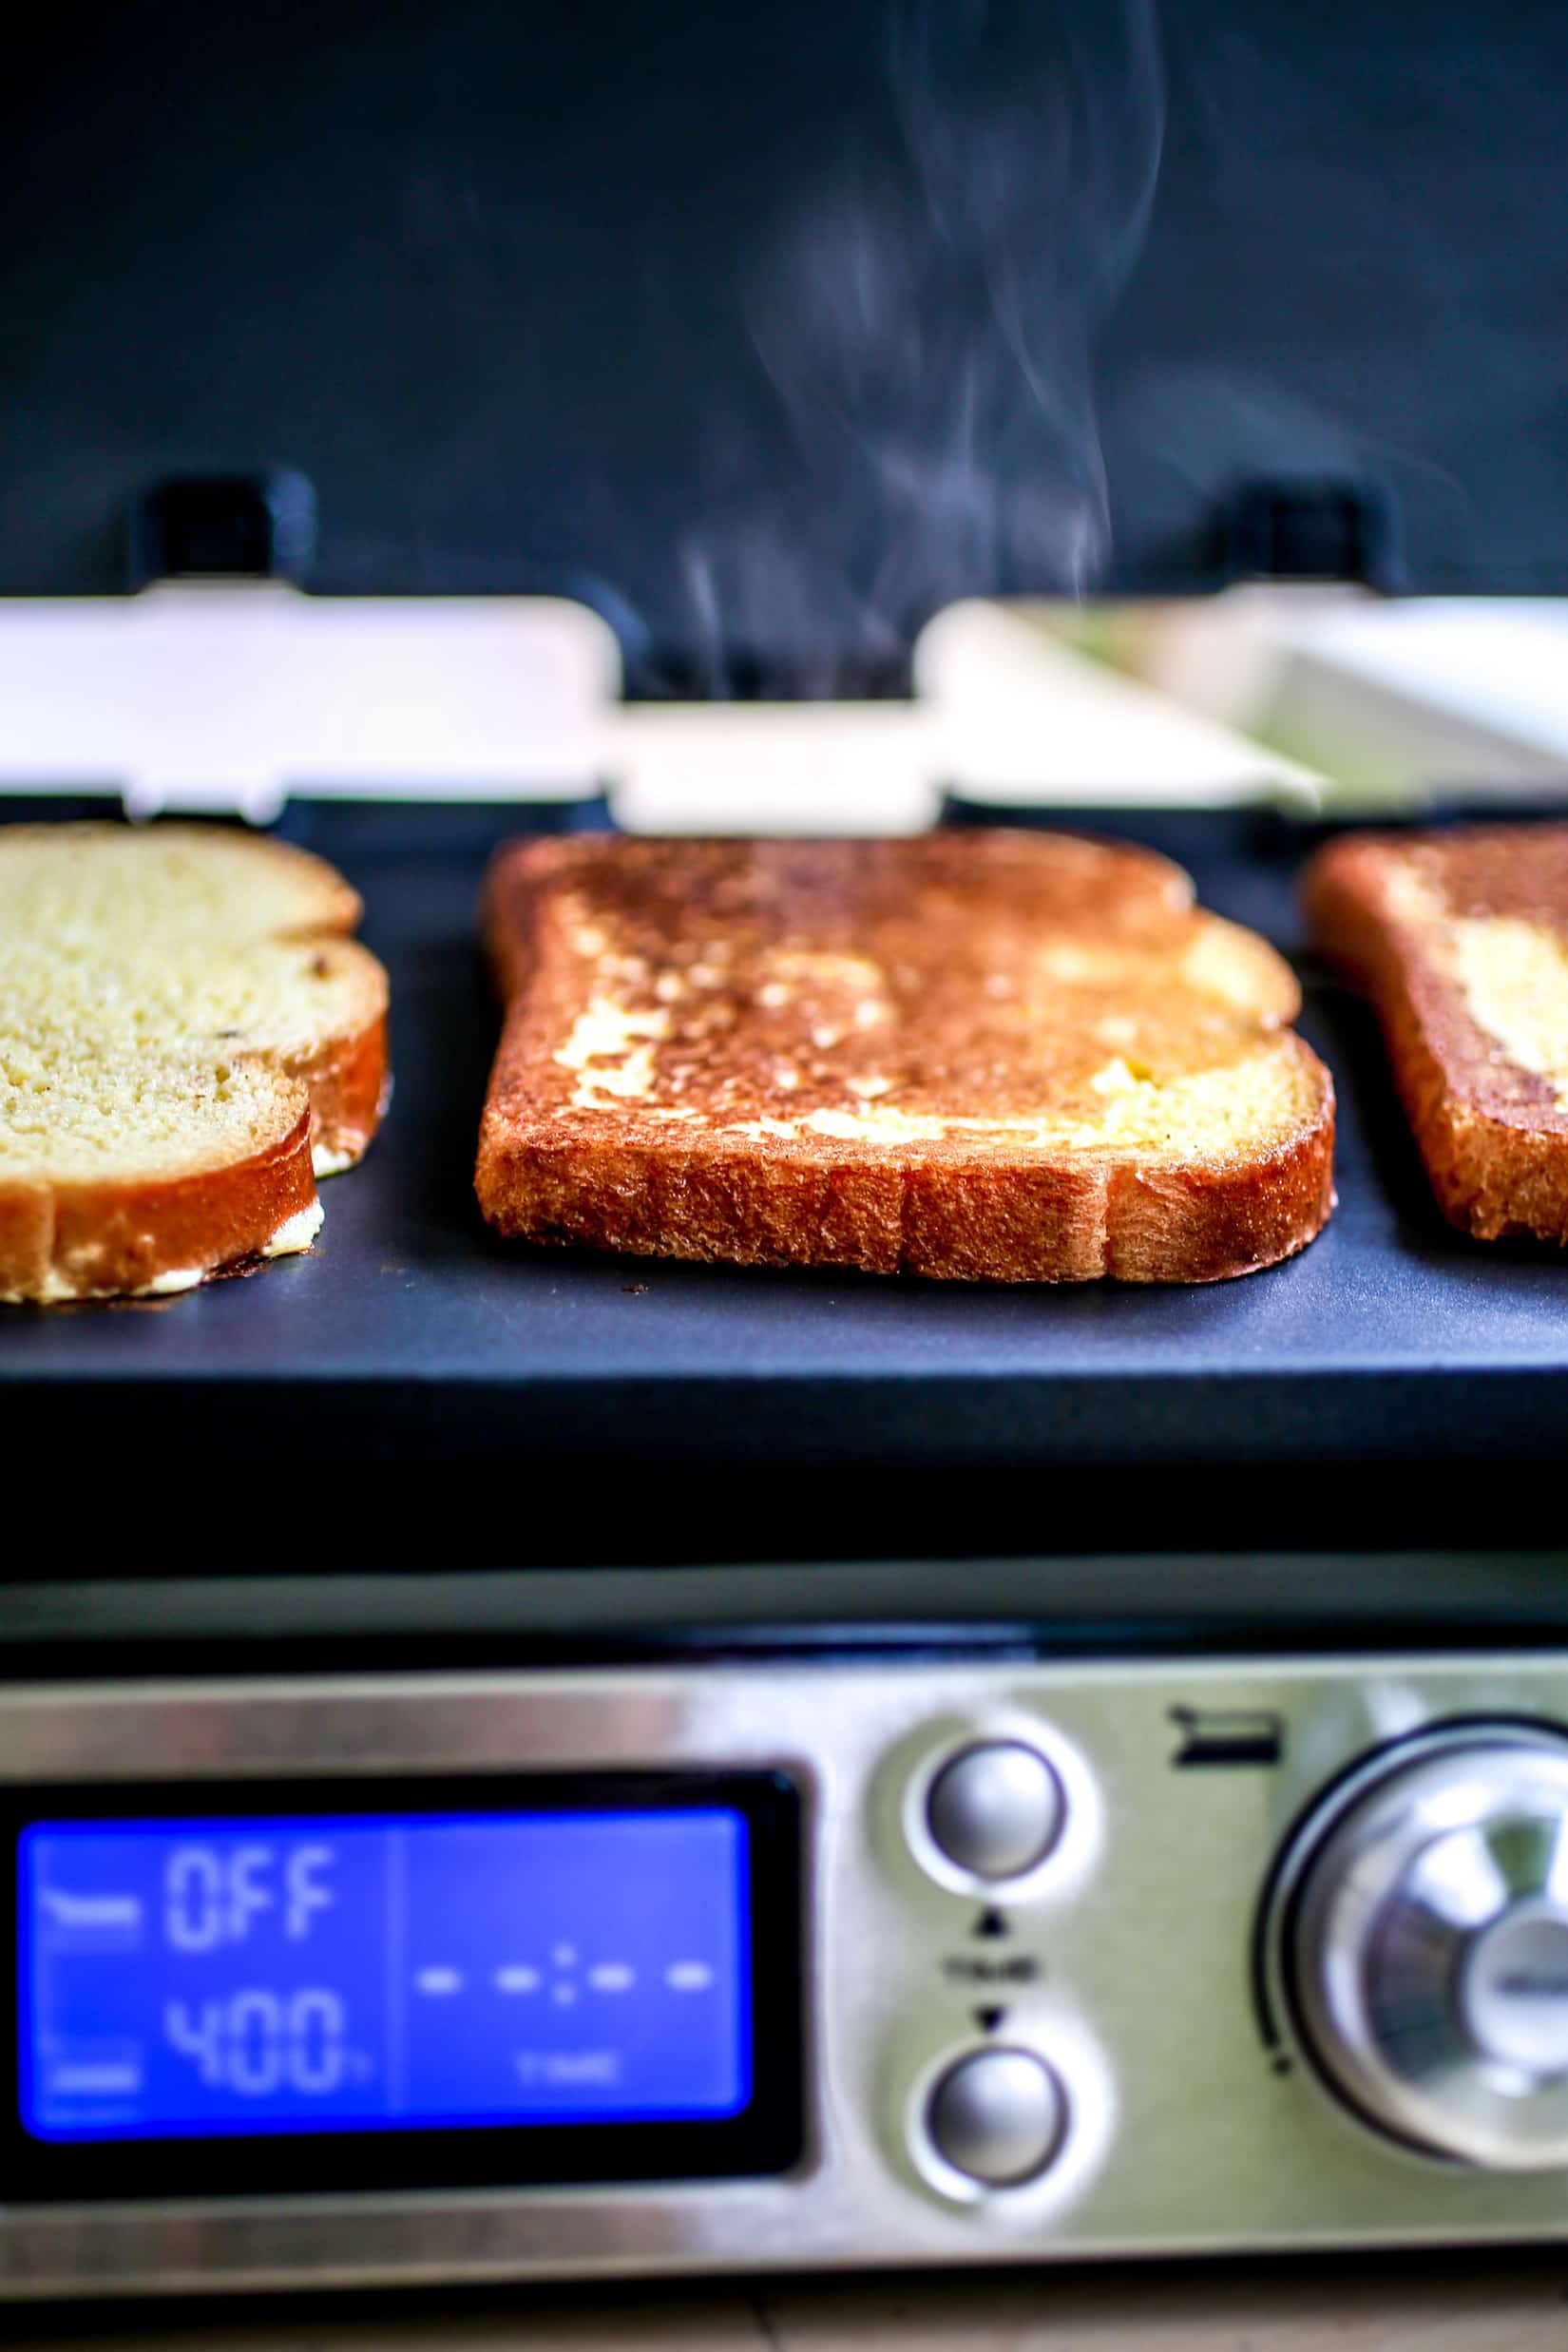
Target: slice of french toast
(1461, 940)
(1005, 1057)
(187, 1040)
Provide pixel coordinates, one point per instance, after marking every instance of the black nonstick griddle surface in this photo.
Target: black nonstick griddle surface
(414, 1383)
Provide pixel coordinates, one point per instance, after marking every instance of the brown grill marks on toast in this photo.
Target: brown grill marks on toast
(1461, 940)
(1008, 1057)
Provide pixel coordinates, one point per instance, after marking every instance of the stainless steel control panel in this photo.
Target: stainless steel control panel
(1121, 1958)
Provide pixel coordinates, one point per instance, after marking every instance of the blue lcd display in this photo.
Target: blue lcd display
(203, 1979)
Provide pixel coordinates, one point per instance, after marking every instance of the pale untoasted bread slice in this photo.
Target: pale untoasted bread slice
(1460, 939)
(95, 884)
(1006, 1057)
(184, 1036)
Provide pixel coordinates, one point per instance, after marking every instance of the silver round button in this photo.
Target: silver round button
(996, 1810)
(998, 2117)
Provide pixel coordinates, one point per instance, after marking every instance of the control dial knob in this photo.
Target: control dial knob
(1426, 1947)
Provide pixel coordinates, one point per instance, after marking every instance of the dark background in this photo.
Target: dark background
(767, 332)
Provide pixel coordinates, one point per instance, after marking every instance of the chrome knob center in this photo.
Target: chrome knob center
(1512, 1990)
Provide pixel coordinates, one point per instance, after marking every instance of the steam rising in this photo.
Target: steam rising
(928, 318)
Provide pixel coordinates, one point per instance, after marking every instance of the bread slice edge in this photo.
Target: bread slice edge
(160, 1234)
(147, 1228)
(1494, 1175)
(1064, 1217)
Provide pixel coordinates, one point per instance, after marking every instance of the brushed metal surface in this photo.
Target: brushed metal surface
(1127, 1965)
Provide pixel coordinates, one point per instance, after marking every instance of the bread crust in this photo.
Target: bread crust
(946, 1208)
(347, 1083)
(63, 1241)
(950, 1220)
(1493, 1136)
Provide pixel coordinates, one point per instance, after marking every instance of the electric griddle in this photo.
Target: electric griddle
(422, 1377)
(520, 1764)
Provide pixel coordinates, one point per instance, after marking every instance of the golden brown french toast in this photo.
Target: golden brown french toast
(1009, 1057)
(1460, 939)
